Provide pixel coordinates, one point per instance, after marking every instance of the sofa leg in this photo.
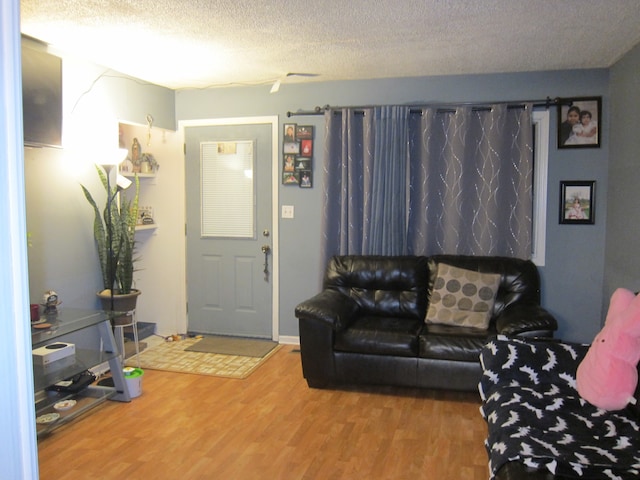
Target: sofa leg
(316, 353)
(316, 383)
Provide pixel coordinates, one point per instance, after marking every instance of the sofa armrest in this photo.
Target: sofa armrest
(329, 306)
(523, 318)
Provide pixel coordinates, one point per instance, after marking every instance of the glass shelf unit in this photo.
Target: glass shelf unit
(65, 322)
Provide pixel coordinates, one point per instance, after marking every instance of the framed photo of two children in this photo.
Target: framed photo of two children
(580, 122)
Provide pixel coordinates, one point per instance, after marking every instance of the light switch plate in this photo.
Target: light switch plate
(287, 211)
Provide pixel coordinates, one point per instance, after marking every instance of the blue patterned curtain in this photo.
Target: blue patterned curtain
(399, 181)
(366, 181)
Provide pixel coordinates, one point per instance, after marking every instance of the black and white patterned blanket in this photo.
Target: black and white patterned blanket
(535, 415)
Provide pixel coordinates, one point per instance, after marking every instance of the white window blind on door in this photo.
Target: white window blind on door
(228, 190)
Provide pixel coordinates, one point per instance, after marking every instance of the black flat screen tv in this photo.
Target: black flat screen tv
(41, 97)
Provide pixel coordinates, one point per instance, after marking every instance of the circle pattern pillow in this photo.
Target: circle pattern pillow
(462, 297)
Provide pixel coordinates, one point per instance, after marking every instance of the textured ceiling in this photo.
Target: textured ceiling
(199, 43)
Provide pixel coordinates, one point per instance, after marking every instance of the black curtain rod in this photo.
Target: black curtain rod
(449, 107)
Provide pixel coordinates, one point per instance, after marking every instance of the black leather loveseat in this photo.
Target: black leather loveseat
(367, 325)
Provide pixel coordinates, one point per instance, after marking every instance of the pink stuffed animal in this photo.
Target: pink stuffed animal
(608, 375)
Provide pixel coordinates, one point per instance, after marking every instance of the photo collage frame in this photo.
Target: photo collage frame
(297, 155)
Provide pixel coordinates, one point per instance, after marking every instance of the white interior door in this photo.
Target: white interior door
(229, 227)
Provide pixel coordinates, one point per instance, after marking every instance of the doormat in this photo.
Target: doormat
(245, 347)
(175, 357)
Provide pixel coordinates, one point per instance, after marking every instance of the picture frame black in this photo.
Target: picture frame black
(289, 132)
(292, 148)
(289, 163)
(580, 122)
(303, 163)
(306, 179)
(304, 132)
(289, 178)
(306, 148)
(577, 202)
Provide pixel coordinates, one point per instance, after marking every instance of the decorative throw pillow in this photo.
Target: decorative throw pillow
(462, 297)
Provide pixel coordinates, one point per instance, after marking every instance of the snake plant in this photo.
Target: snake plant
(116, 260)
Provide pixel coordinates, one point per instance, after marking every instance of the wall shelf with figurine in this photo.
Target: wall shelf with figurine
(139, 175)
(140, 162)
(146, 227)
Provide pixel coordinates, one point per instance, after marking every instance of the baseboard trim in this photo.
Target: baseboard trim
(289, 340)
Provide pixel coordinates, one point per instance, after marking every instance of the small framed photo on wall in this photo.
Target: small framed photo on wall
(289, 178)
(306, 148)
(306, 179)
(289, 132)
(291, 147)
(577, 202)
(579, 122)
(303, 163)
(289, 163)
(304, 132)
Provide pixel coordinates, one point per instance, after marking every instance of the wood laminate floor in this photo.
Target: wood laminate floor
(271, 426)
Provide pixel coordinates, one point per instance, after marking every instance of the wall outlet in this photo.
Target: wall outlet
(287, 211)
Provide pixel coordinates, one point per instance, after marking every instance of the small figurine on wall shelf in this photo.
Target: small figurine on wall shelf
(146, 216)
(148, 163)
(136, 154)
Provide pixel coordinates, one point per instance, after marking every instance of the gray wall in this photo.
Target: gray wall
(573, 276)
(573, 279)
(623, 215)
(62, 254)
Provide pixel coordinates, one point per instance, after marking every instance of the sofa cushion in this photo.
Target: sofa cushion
(393, 286)
(520, 279)
(446, 342)
(462, 297)
(380, 336)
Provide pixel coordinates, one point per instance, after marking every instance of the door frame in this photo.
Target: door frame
(275, 257)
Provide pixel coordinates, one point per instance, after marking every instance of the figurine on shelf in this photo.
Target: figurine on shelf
(50, 302)
(149, 164)
(126, 166)
(147, 218)
(136, 155)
